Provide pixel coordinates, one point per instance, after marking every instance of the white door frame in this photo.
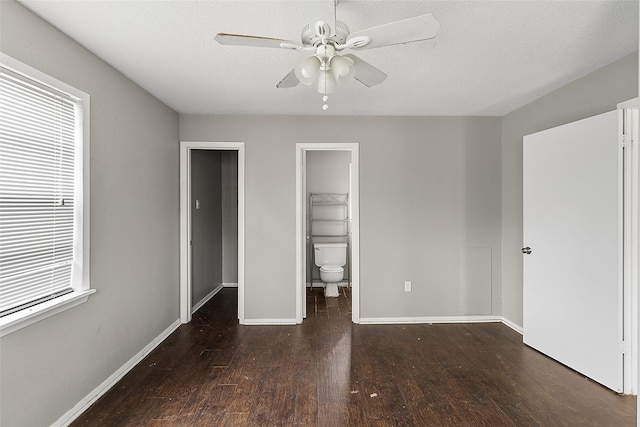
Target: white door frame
(301, 253)
(631, 241)
(185, 222)
(628, 256)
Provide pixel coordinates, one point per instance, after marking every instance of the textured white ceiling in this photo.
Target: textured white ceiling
(489, 57)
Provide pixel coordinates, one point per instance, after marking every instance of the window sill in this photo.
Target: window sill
(31, 315)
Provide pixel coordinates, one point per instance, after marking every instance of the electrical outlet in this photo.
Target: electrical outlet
(407, 286)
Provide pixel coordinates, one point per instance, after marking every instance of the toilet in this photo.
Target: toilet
(330, 257)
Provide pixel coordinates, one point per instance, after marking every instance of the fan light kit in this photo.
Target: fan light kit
(328, 66)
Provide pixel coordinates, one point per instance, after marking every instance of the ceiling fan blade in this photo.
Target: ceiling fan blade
(290, 80)
(414, 29)
(366, 73)
(257, 41)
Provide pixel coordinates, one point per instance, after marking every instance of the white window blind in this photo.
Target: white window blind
(40, 237)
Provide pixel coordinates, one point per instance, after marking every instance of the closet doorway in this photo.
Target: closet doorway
(211, 191)
(304, 269)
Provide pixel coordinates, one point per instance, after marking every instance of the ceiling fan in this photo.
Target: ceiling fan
(329, 65)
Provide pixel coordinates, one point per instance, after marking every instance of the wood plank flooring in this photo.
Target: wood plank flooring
(329, 372)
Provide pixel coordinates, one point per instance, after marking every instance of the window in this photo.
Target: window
(43, 196)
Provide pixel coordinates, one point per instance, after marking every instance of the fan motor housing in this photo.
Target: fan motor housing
(311, 37)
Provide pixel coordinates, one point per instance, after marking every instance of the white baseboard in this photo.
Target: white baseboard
(512, 325)
(431, 319)
(230, 285)
(106, 385)
(441, 319)
(206, 299)
(270, 322)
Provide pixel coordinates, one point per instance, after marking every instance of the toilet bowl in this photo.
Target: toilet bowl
(330, 257)
(331, 275)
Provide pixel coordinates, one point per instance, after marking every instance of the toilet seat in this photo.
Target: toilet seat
(331, 269)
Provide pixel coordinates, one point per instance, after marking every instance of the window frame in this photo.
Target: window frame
(81, 291)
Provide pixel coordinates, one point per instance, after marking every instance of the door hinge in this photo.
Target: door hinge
(626, 141)
(625, 347)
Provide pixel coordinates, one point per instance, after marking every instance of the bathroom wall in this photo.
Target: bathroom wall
(429, 193)
(206, 222)
(229, 217)
(50, 366)
(327, 172)
(593, 94)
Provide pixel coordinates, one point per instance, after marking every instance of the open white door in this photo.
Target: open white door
(572, 296)
(305, 233)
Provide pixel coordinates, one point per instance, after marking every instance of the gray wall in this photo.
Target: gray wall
(206, 224)
(429, 187)
(327, 172)
(229, 217)
(593, 94)
(134, 234)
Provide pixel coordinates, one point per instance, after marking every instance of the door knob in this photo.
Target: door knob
(526, 250)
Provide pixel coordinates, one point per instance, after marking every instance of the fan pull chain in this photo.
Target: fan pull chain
(335, 15)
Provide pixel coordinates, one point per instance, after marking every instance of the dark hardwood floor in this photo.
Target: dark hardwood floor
(329, 372)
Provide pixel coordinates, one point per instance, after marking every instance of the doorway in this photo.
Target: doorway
(302, 233)
(193, 156)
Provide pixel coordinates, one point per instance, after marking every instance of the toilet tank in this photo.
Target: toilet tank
(330, 254)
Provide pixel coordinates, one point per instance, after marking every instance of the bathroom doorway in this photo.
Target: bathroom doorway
(211, 223)
(340, 179)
